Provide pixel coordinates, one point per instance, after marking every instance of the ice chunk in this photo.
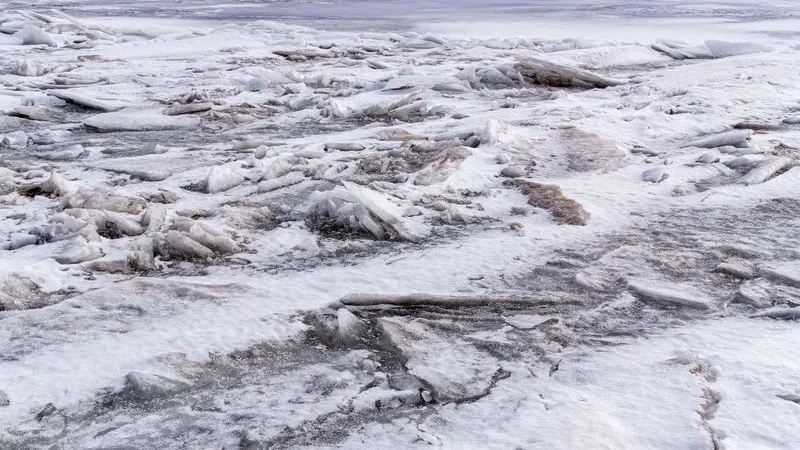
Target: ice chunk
(708, 158)
(786, 273)
(142, 258)
(442, 167)
(412, 211)
(399, 134)
(28, 68)
(16, 140)
(46, 137)
(666, 295)
(744, 161)
(757, 126)
(494, 78)
(19, 240)
(274, 184)
(153, 218)
(86, 101)
(217, 243)
(780, 313)
(681, 50)
(189, 108)
(185, 224)
(382, 398)
(708, 50)
(376, 205)
(144, 387)
(39, 113)
(724, 49)
(112, 224)
(349, 327)
(737, 269)
(72, 224)
(136, 120)
(375, 64)
(336, 109)
(246, 144)
(655, 175)
(547, 73)
(434, 38)
(79, 250)
(344, 146)
(182, 246)
(106, 201)
(765, 170)
(222, 178)
(755, 292)
(32, 35)
(119, 224)
(55, 186)
(356, 208)
(70, 153)
(496, 132)
(513, 172)
(732, 137)
(450, 87)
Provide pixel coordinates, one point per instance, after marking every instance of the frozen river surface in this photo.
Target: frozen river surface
(545, 225)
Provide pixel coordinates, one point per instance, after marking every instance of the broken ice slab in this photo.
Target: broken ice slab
(188, 108)
(86, 101)
(785, 273)
(547, 73)
(662, 294)
(732, 137)
(765, 170)
(138, 120)
(780, 313)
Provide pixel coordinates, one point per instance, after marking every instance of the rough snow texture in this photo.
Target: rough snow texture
(256, 234)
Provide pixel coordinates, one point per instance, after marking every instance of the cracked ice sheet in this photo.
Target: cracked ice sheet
(639, 395)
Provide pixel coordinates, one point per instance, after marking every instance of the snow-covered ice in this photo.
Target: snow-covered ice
(532, 225)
